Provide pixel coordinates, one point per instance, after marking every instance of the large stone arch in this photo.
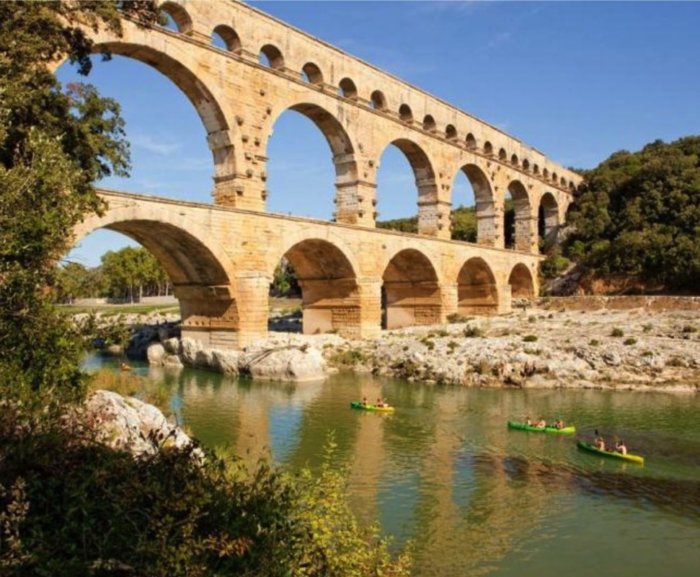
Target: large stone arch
(343, 154)
(488, 227)
(429, 221)
(200, 271)
(328, 281)
(523, 222)
(173, 61)
(548, 220)
(476, 288)
(411, 290)
(521, 283)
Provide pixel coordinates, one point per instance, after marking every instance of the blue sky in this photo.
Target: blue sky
(576, 80)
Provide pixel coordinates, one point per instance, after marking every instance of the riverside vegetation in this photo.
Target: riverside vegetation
(72, 506)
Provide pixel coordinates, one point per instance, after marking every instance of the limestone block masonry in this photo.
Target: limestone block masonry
(354, 278)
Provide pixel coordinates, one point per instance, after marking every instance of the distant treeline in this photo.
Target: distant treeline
(128, 275)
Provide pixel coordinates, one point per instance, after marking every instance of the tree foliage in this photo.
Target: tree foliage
(54, 144)
(639, 215)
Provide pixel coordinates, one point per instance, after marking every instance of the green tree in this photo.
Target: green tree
(54, 145)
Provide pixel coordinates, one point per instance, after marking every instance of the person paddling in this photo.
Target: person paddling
(620, 447)
(599, 441)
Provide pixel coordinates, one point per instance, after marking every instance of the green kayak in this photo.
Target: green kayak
(614, 454)
(570, 430)
(368, 407)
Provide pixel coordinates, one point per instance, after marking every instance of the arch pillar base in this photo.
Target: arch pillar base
(504, 304)
(482, 299)
(412, 304)
(449, 297)
(252, 292)
(331, 305)
(209, 315)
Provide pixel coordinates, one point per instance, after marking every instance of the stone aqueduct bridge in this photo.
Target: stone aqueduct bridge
(221, 257)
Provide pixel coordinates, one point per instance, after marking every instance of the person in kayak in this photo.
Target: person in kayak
(559, 424)
(528, 421)
(620, 447)
(541, 423)
(364, 401)
(599, 442)
(379, 403)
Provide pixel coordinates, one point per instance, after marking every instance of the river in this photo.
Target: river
(476, 498)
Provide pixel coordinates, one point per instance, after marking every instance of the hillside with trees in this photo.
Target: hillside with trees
(637, 219)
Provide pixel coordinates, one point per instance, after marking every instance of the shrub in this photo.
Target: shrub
(630, 341)
(530, 338)
(457, 318)
(347, 358)
(473, 331)
(617, 332)
(690, 329)
(594, 342)
(171, 514)
(647, 327)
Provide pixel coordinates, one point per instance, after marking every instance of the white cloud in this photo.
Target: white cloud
(147, 142)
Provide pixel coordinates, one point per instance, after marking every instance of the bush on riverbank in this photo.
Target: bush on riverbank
(69, 506)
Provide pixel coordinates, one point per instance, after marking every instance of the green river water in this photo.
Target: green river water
(476, 498)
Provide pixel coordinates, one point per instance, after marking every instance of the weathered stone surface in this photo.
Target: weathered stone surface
(298, 364)
(129, 424)
(155, 354)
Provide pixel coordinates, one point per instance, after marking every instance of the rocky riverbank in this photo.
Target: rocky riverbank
(538, 348)
(617, 348)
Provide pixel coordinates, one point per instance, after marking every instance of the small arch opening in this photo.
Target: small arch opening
(535, 168)
(514, 160)
(271, 57)
(488, 148)
(450, 132)
(378, 100)
(502, 155)
(225, 37)
(429, 123)
(347, 89)
(405, 113)
(174, 17)
(312, 74)
(526, 164)
(471, 141)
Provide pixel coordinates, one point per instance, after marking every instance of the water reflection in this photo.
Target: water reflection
(444, 471)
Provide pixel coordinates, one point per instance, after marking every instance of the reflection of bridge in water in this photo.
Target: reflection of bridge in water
(465, 523)
(221, 258)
